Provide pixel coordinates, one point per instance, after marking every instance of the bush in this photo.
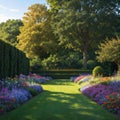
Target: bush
(97, 71)
(91, 64)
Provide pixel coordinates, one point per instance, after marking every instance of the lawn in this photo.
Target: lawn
(61, 100)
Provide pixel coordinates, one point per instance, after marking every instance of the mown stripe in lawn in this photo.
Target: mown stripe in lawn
(60, 100)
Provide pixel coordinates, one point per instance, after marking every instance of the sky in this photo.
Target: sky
(15, 9)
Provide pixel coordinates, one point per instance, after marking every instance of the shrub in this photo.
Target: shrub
(91, 64)
(97, 71)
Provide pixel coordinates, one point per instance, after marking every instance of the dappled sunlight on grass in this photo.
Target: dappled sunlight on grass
(59, 102)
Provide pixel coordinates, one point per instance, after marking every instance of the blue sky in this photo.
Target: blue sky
(15, 9)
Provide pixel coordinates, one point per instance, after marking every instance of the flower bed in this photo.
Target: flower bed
(106, 93)
(18, 90)
(82, 77)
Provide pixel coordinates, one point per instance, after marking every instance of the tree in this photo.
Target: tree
(109, 51)
(117, 33)
(9, 31)
(36, 34)
(81, 24)
(63, 58)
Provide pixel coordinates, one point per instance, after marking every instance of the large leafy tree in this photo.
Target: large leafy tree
(109, 51)
(36, 34)
(9, 31)
(80, 24)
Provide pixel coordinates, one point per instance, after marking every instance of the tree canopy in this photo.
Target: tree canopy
(36, 36)
(83, 24)
(109, 51)
(9, 31)
(67, 28)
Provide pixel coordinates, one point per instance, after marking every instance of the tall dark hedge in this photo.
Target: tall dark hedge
(12, 61)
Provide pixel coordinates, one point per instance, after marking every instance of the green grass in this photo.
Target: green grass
(60, 100)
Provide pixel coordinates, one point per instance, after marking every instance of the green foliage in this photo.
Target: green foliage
(50, 62)
(109, 51)
(9, 31)
(108, 68)
(79, 24)
(35, 62)
(117, 33)
(55, 5)
(61, 73)
(91, 64)
(67, 25)
(12, 61)
(36, 38)
(97, 71)
(72, 25)
(63, 59)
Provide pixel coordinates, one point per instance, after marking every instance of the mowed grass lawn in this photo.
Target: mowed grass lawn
(61, 100)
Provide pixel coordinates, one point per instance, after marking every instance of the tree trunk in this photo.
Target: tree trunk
(85, 59)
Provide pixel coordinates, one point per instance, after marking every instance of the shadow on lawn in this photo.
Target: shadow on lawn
(51, 105)
(62, 106)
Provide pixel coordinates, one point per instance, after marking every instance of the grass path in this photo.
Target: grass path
(60, 100)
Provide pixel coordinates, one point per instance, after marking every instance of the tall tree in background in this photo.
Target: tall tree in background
(55, 5)
(9, 31)
(36, 34)
(80, 24)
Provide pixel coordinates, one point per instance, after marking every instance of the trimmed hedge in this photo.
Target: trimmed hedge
(62, 74)
(12, 61)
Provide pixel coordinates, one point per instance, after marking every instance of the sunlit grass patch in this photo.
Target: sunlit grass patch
(61, 100)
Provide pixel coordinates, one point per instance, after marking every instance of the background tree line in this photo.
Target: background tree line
(65, 35)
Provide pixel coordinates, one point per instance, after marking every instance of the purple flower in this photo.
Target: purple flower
(21, 95)
(37, 88)
(99, 91)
